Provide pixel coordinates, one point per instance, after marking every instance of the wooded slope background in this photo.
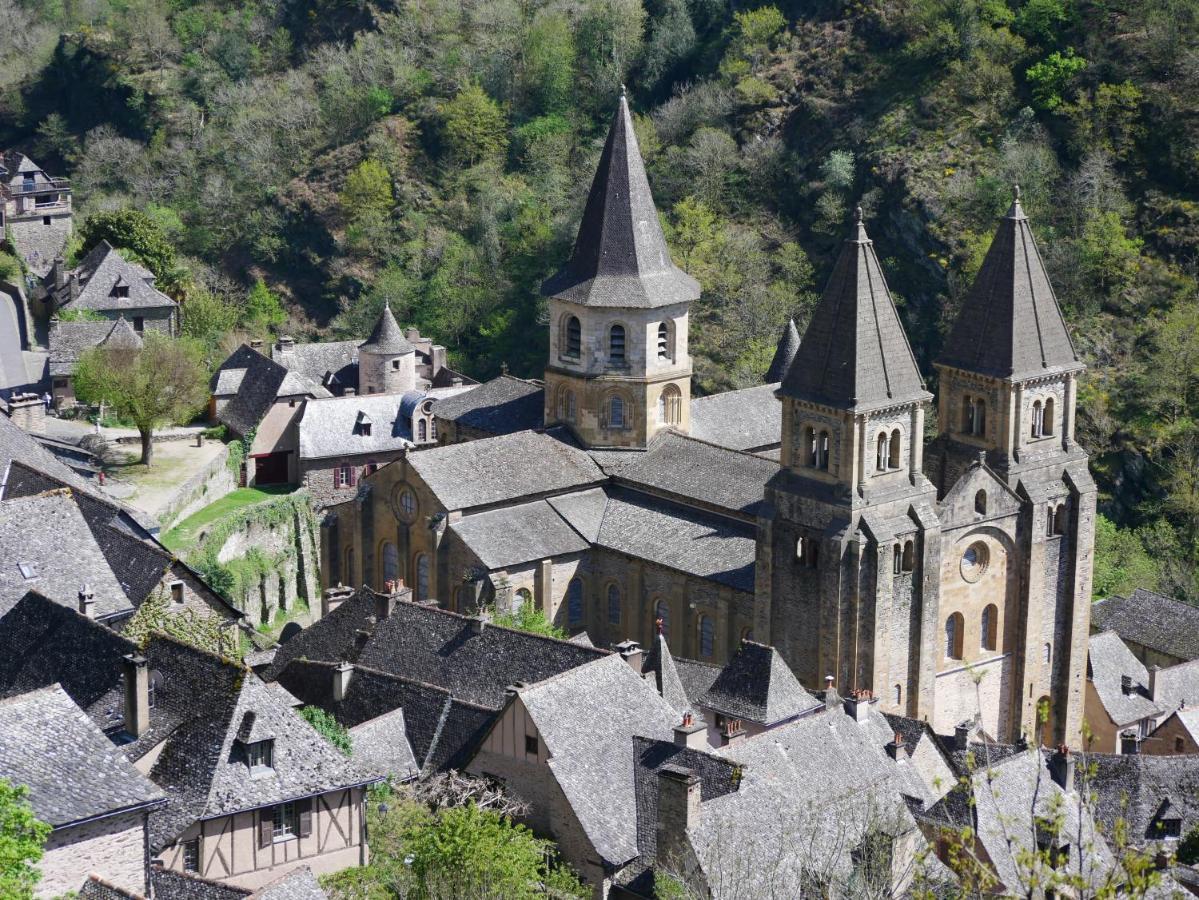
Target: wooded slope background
(436, 154)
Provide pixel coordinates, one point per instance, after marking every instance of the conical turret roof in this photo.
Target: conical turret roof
(620, 257)
(122, 336)
(1010, 325)
(784, 354)
(855, 354)
(387, 338)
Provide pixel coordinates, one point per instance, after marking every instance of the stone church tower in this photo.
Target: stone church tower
(619, 369)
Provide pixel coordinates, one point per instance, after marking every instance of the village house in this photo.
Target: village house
(1159, 630)
(108, 286)
(70, 340)
(35, 212)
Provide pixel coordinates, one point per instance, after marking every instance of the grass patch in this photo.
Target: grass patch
(183, 535)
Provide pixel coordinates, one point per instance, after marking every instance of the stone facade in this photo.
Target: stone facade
(114, 848)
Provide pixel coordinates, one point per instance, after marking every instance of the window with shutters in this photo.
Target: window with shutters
(284, 822)
(573, 342)
(191, 855)
(664, 349)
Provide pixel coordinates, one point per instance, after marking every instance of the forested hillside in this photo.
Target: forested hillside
(436, 154)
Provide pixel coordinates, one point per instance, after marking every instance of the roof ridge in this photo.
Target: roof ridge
(542, 682)
(671, 431)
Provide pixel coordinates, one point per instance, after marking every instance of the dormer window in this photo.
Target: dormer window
(364, 429)
(120, 290)
(28, 570)
(260, 756)
(1170, 829)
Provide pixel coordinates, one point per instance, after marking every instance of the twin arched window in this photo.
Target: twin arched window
(574, 601)
(1042, 418)
(816, 448)
(573, 344)
(670, 405)
(616, 345)
(1055, 519)
(974, 415)
(888, 453)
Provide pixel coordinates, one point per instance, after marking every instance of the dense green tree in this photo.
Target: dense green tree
(473, 127)
(263, 310)
(21, 838)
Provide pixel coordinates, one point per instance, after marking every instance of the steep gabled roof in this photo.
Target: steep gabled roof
(1010, 325)
(1109, 660)
(500, 406)
(122, 337)
(102, 272)
(659, 663)
(620, 257)
(1154, 620)
(784, 353)
(855, 354)
(387, 338)
(757, 685)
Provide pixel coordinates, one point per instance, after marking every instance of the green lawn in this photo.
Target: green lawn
(182, 535)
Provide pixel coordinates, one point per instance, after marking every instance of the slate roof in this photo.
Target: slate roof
(298, 884)
(695, 676)
(659, 665)
(1010, 325)
(684, 469)
(1178, 685)
(387, 338)
(748, 419)
(72, 770)
(172, 885)
(855, 354)
(254, 389)
(500, 469)
(1109, 660)
(17, 445)
(332, 427)
(1153, 620)
(122, 336)
(500, 406)
(518, 534)
(680, 538)
(620, 257)
(587, 718)
(381, 745)
(69, 340)
(784, 353)
(332, 364)
(584, 510)
(48, 535)
(757, 685)
(101, 272)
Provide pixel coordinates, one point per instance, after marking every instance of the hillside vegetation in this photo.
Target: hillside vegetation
(337, 153)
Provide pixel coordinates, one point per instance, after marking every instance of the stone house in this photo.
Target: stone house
(82, 786)
(70, 340)
(105, 284)
(1157, 797)
(1159, 630)
(35, 211)
(501, 406)
(1178, 733)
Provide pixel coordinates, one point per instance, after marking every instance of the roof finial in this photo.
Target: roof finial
(1015, 193)
(857, 215)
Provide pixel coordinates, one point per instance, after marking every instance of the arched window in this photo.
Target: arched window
(616, 345)
(953, 636)
(909, 556)
(615, 412)
(896, 560)
(574, 337)
(809, 446)
(422, 576)
(968, 415)
(980, 502)
(1048, 654)
(574, 601)
(664, 349)
(1050, 517)
(1038, 420)
(523, 600)
(898, 694)
(566, 405)
(988, 637)
(1059, 519)
(896, 444)
(670, 405)
(1044, 721)
(880, 454)
(662, 614)
(613, 604)
(1047, 423)
(422, 431)
(391, 562)
(822, 451)
(707, 636)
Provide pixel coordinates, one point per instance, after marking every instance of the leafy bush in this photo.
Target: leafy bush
(1052, 77)
(328, 728)
(528, 618)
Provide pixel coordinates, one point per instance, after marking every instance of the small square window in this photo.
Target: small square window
(45, 220)
(176, 591)
(531, 744)
(260, 756)
(395, 364)
(191, 855)
(1171, 829)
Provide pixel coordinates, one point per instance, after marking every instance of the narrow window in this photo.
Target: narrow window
(1047, 422)
(422, 431)
(980, 416)
(670, 405)
(953, 636)
(574, 601)
(191, 855)
(1179, 745)
(1050, 524)
(896, 444)
(530, 745)
(616, 345)
(391, 562)
(574, 337)
(139, 324)
(989, 627)
(1038, 420)
(616, 412)
(707, 636)
(613, 604)
(432, 429)
(822, 452)
(880, 454)
(809, 446)
(909, 556)
(1048, 653)
(968, 415)
(896, 560)
(898, 694)
(176, 591)
(422, 576)
(663, 341)
(349, 572)
(1059, 519)
(980, 502)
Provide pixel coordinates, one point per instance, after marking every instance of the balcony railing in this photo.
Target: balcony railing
(49, 185)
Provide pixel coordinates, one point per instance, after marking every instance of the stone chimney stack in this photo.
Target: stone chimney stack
(287, 343)
(691, 733)
(857, 705)
(678, 812)
(1130, 743)
(630, 652)
(28, 413)
(1061, 768)
(831, 700)
(1153, 673)
(732, 733)
(342, 673)
(334, 597)
(896, 747)
(87, 601)
(137, 695)
(385, 602)
(961, 735)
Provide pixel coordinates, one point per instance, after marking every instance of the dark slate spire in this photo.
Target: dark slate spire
(387, 339)
(784, 353)
(620, 257)
(855, 354)
(1010, 325)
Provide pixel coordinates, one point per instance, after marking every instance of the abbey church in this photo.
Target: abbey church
(949, 577)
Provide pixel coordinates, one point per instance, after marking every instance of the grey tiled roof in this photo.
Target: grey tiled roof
(683, 468)
(332, 427)
(256, 388)
(1178, 685)
(72, 770)
(680, 538)
(333, 364)
(1154, 620)
(172, 885)
(855, 354)
(122, 337)
(17, 445)
(1109, 659)
(584, 510)
(386, 337)
(659, 664)
(1010, 325)
(740, 420)
(620, 256)
(695, 676)
(587, 718)
(298, 884)
(499, 469)
(518, 534)
(500, 406)
(381, 745)
(102, 271)
(757, 685)
(69, 340)
(784, 353)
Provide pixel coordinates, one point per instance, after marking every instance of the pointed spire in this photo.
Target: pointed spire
(660, 664)
(1010, 325)
(788, 346)
(620, 257)
(387, 339)
(855, 354)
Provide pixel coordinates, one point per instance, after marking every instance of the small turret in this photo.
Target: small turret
(386, 361)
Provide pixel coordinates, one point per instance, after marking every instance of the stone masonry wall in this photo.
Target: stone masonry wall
(113, 848)
(207, 486)
(38, 243)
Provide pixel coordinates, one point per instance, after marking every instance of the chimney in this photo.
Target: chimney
(895, 747)
(385, 602)
(1153, 670)
(28, 413)
(678, 809)
(857, 705)
(286, 343)
(630, 652)
(690, 733)
(438, 355)
(961, 735)
(731, 734)
(256, 344)
(87, 601)
(477, 624)
(1061, 768)
(334, 597)
(59, 272)
(1130, 743)
(1126, 684)
(831, 700)
(349, 392)
(342, 673)
(412, 335)
(137, 695)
